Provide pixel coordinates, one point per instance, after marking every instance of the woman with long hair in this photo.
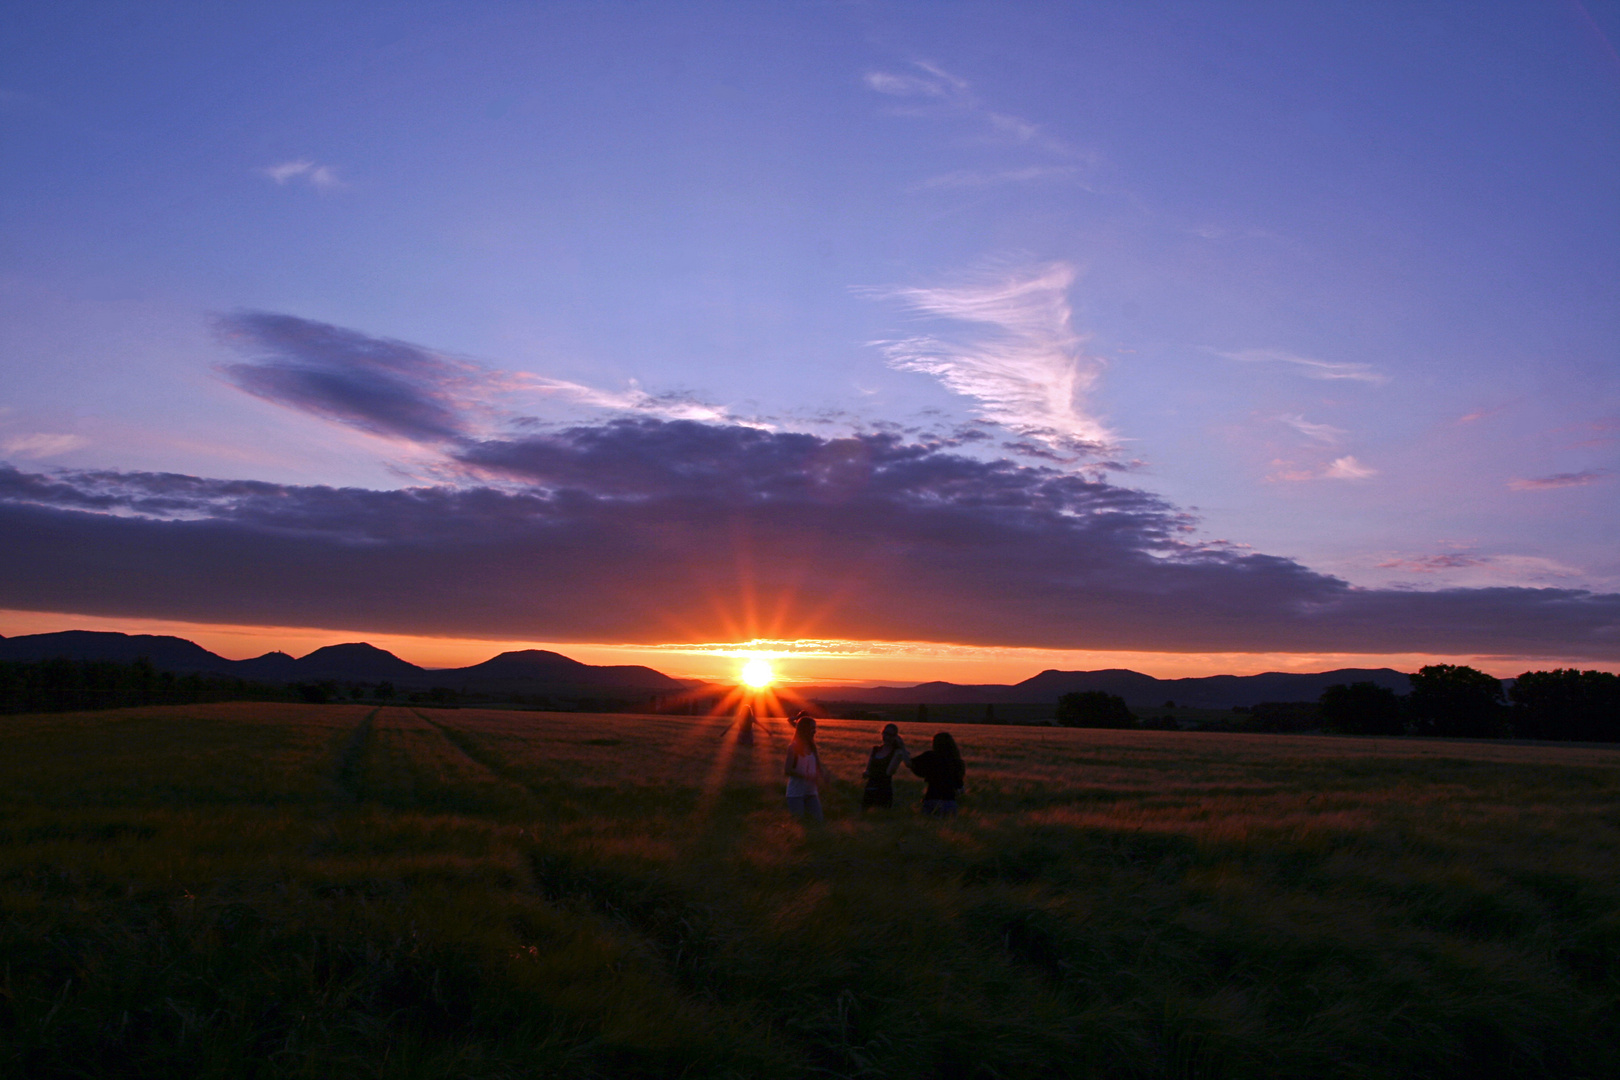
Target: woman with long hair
(881, 763)
(804, 770)
(943, 769)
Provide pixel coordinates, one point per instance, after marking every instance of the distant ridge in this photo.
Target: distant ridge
(165, 652)
(1138, 690)
(540, 671)
(531, 664)
(526, 671)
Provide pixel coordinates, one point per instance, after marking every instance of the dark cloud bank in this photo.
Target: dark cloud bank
(646, 530)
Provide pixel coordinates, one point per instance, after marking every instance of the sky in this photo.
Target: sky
(897, 340)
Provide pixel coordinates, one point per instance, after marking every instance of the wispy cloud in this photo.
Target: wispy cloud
(933, 81)
(968, 178)
(1322, 433)
(41, 444)
(940, 90)
(633, 399)
(303, 170)
(1430, 564)
(1465, 568)
(1028, 370)
(1561, 480)
(1344, 468)
(1308, 366)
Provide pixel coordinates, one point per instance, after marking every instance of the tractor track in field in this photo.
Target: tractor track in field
(345, 776)
(343, 785)
(478, 755)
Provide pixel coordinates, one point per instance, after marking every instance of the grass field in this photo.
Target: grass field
(287, 890)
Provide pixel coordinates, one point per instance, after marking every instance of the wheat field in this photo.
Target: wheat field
(278, 890)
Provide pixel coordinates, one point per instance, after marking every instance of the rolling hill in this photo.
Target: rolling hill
(529, 671)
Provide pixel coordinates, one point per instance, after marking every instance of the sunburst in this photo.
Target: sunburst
(757, 673)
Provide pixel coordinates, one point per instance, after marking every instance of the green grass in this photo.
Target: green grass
(288, 890)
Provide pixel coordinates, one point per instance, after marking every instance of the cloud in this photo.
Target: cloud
(1311, 368)
(1028, 371)
(1348, 468)
(1467, 568)
(1321, 433)
(1344, 468)
(934, 82)
(42, 444)
(379, 385)
(1561, 480)
(399, 390)
(967, 178)
(653, 531)
(1430, 564)
(931, 83)
(321, 177)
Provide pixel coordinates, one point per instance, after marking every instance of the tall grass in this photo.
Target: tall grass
(282, 890)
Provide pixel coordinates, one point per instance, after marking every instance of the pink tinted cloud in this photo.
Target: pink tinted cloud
(1432, 563)
(1560, 480)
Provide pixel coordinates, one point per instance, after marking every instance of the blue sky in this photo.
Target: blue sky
(1338, 284)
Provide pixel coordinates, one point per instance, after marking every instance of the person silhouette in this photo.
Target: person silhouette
(745, 733)
(804, 770)
(881, 764)
(945, 773)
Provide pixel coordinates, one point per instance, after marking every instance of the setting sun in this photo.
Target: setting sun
(757, 673)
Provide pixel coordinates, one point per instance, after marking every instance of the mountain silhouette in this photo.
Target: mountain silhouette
(357, 661)
(543, 672)
(525, 671)
(166, 653)
(538, 664)
(1139, 690)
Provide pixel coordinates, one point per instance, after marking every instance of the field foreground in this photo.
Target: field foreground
(287, 890)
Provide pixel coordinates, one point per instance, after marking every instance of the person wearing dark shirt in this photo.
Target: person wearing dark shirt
(884, 759)
(942, 768)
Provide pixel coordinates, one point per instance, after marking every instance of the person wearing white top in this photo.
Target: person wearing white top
(804, 770)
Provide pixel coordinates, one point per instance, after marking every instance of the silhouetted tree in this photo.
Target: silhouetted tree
(1456, 700)
(990, 714)
(1094, 708)
(1567, 704)
(922, 714)
(1362, 708)
(1283, 716)
(318, 693)
(384, 691)
(64, 684)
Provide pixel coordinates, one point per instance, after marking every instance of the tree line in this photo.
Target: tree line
(1446, 700)
(66, 685)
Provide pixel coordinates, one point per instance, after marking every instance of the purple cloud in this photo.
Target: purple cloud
(647, 530)
(1560, 480)
(386, 387)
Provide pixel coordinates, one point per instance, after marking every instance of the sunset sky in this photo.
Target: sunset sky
(927, 340)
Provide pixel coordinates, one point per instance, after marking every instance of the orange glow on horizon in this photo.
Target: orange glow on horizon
(793, 663)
